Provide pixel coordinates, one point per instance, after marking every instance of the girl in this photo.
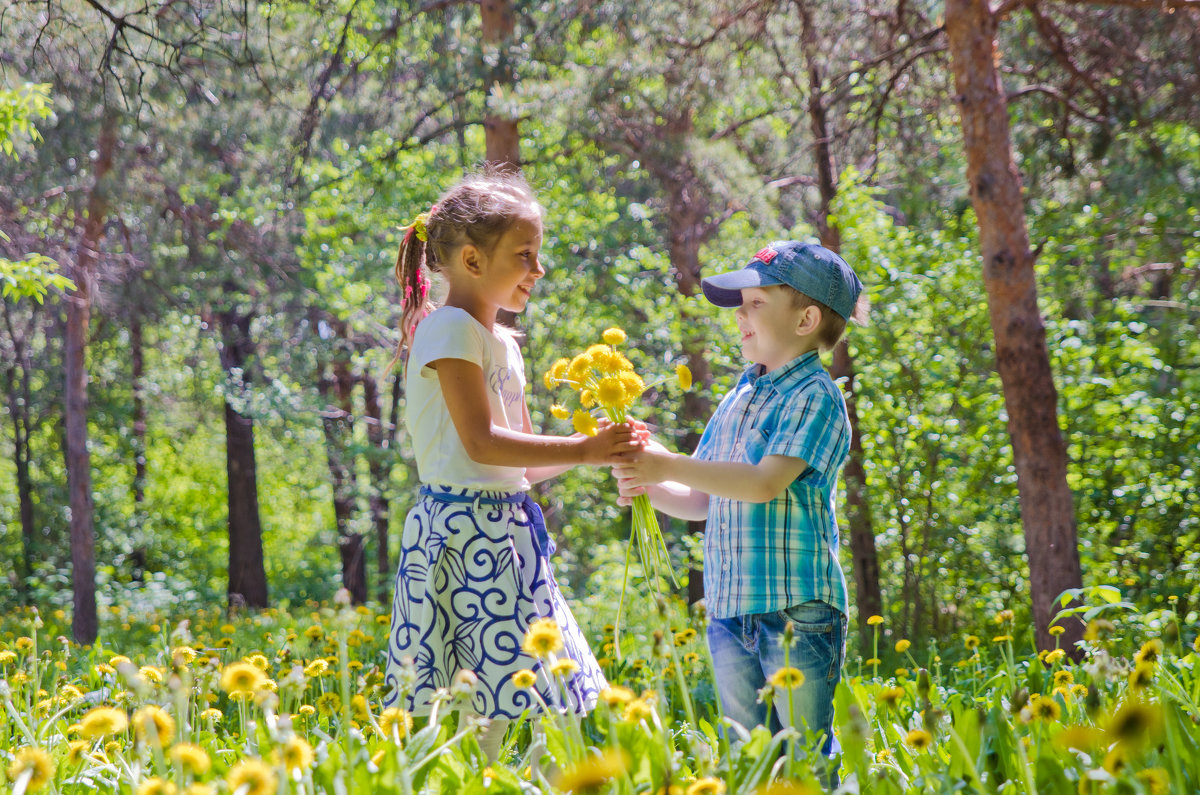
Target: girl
(474, 571)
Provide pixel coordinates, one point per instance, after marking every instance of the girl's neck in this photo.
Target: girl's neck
(475, 306)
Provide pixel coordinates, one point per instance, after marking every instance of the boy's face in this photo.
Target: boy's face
(774, 330)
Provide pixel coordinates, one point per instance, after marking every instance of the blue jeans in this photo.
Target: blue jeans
(747, 650)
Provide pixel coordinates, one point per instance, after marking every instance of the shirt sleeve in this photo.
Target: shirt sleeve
(446, 335)
(813, 428)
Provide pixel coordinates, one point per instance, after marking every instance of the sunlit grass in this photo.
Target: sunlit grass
(281, 702)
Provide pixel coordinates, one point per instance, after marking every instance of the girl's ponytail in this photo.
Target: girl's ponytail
(412, 274)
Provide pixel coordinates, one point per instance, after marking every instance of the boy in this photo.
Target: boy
(764, 476)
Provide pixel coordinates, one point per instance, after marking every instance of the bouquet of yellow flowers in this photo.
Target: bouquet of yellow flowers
(605, 381)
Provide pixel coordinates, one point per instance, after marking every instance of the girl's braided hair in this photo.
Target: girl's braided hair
(478, 210)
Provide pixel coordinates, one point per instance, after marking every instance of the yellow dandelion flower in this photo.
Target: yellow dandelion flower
(24, 643)
(241, 677)
(228, 629)
(634, 386)
(874, 661)
(119, 660)
(101, 722)
(579, 370)
(1155, 780)
(1002, 638)
(613, 336)
(542, 638)
(1057, 630)
(154, 726)
(1004, 616)
(75, 750)
(587, 398)
(254, 775)
(211, 714)
(559, 412)
(555, 374)
(315, 632)
(1055, 656)
(1116, 759)
(691, 658)
(1135, 723)
(1062, 678)
(1141, 676)
(901, 673)
(706, 786)
(318, 667)
(297, 754)
(150, 674)
(191, 758)
(610, 392)
(787, 678)
(971, 642)
(685, 636)
(585, 423)
(259, 661)
(637, 710)
(1082, 738)
(594, 771)
(33, 765)
(890, 696)
(1046, 709)
(564, 667)
(919, 740)
(683, 375)
(156, 786)
(524, 679)
(875, 620)
(7, 658)
(306, 710)
(395, 723)
(329, 703)
(1150, 652)
(903, 646)
(616, 696)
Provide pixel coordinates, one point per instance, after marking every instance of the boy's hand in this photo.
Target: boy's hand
(611, 442)
(643, 467)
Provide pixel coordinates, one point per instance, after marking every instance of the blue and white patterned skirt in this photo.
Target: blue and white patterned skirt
(473, 575)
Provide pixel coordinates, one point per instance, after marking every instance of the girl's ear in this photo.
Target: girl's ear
(470, 258)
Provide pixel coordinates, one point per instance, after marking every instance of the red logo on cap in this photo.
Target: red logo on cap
(766, 255)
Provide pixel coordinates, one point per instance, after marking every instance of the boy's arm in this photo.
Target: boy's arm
(759, 482)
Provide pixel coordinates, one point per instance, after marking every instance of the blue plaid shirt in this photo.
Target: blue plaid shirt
(763, 557)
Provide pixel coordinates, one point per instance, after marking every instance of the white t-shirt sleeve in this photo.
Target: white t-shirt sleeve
(447, 335)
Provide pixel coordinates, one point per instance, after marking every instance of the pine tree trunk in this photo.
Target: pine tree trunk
(1022, 359)
(247, 574)
(16, 387)
(501, 137)
(85, 624)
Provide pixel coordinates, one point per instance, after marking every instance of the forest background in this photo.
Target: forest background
(200, 204)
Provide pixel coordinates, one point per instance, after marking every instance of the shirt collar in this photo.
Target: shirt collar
(788, 376)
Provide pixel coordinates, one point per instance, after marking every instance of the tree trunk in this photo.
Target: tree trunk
(16, 387)
(85, 624)
(865, 560)
(1022, 359)
(137, 366)
(502, 140)
(247, 575)
(337, 421)
(380, 465)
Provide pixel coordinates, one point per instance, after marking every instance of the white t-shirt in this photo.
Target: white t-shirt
(451, 333)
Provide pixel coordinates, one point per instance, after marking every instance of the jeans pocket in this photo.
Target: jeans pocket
(819, 636)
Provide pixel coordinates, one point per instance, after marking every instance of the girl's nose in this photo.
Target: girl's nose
(538, 270)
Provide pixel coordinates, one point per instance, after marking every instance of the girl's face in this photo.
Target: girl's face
(511, 269)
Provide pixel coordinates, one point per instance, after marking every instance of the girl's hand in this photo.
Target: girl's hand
(611, 442)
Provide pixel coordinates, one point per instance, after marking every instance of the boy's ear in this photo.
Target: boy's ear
(809, 322)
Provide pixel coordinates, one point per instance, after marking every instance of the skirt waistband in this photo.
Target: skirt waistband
(542, 543)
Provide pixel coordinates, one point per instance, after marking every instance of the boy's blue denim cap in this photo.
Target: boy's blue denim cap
(805, 267)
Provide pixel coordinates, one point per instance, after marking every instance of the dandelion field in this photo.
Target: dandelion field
(290, 702)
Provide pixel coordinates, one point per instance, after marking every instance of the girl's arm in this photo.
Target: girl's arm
(676, 499)
(465, 392)
(538, 474)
